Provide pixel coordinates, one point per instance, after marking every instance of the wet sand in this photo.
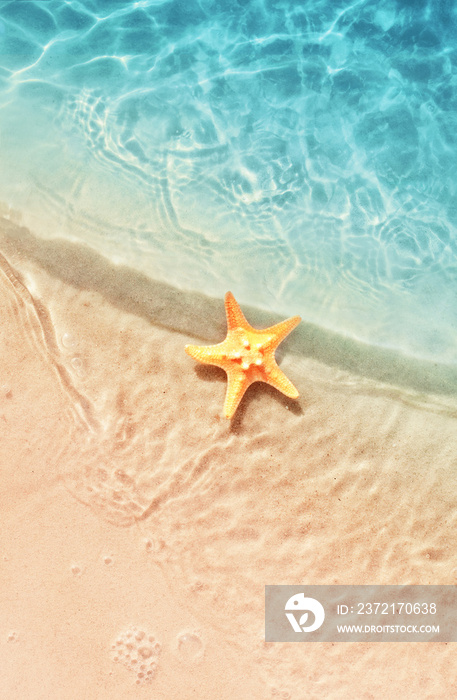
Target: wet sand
(139, 527)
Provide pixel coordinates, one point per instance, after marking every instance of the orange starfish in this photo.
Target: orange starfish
(247, 355)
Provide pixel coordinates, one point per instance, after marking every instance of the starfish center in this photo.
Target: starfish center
(248, 353)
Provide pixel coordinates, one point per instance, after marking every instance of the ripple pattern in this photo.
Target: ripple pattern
(314, 144)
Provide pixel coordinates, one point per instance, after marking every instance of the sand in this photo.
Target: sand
(139, 527)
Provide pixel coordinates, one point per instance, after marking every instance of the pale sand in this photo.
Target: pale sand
(130, 505)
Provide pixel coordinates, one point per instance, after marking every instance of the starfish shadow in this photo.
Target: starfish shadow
(210, 373)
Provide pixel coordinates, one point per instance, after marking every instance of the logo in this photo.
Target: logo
(299, 602)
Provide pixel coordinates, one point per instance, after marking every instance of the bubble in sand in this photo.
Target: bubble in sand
(139, 652)
(78, 366)
(190, 646)
(13, 637)
(280, 694)
(69, 341)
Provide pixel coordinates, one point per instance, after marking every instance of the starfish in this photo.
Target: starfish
(247, 355)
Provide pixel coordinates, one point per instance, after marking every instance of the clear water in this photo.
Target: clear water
(301, 154)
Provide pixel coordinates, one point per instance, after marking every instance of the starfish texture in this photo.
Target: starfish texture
(247, 355)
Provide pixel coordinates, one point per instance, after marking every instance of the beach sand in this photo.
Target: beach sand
(139, 527)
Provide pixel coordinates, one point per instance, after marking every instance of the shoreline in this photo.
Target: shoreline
(131, 501)
(203, 317)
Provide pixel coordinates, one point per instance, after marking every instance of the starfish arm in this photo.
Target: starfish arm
(237, 383)
(208, 354)
(235, 317)
(281, 330)
(278, 379)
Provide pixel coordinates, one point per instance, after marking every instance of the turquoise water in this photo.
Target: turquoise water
(302, 155)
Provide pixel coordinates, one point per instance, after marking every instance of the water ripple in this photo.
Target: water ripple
(315, 146)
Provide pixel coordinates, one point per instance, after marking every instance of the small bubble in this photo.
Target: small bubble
(69, 341)
(151, 638)
(140, 635)
(145, 652)
(78, 366)
(76, 570)
(108, 560)
(13, 637)
(190, 645)
(149, 545)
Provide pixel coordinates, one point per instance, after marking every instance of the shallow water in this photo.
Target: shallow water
(301, 155)
(353, 482)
